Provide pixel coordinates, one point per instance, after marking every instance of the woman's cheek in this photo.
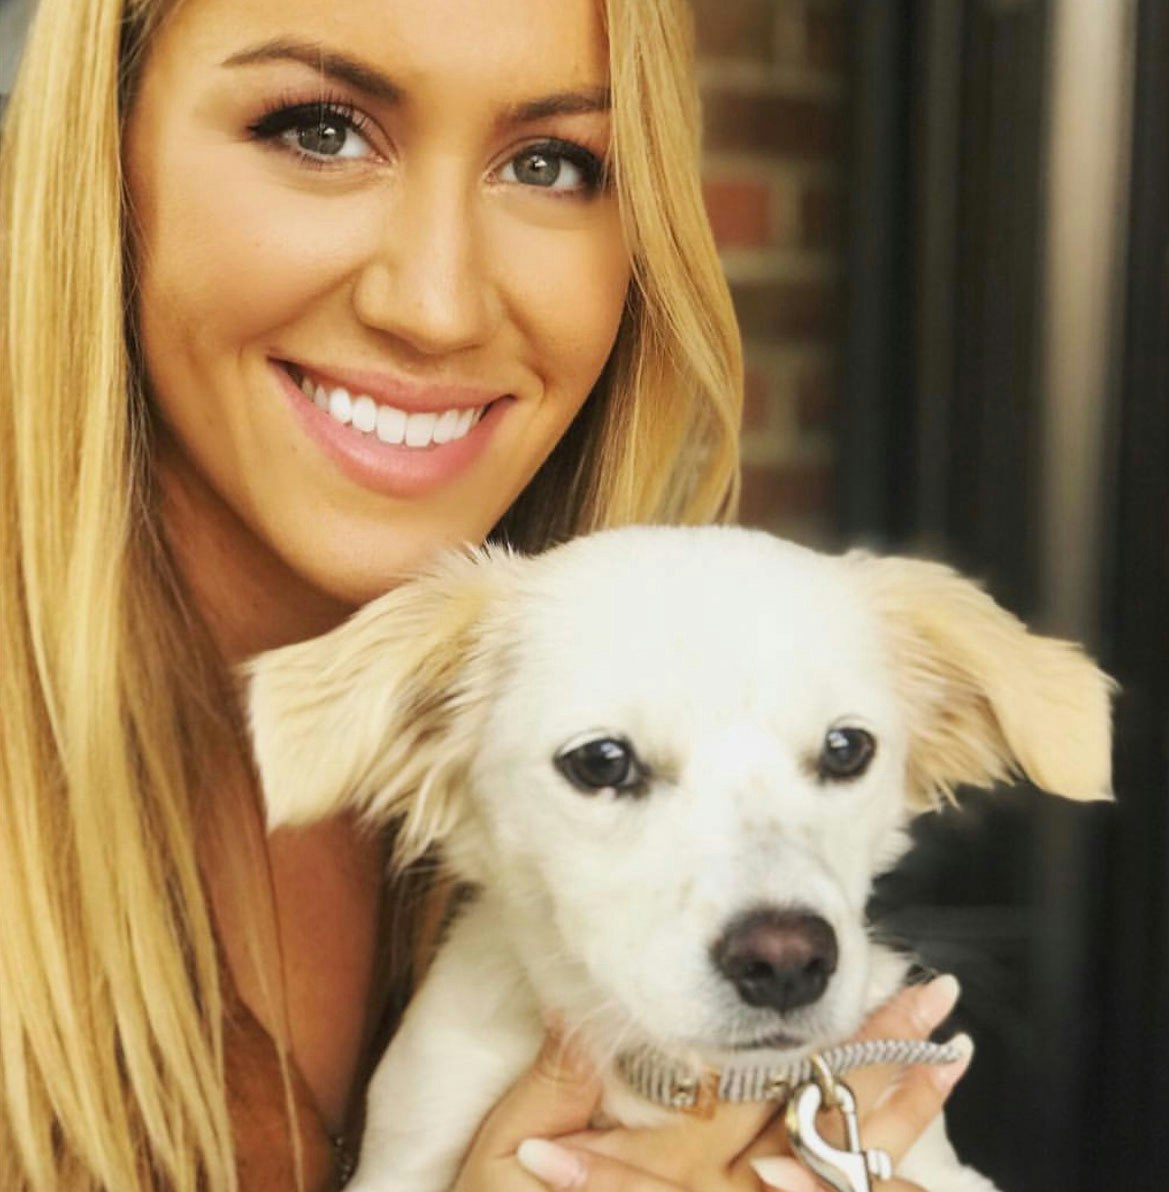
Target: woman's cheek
(565, 286)
(256, 255)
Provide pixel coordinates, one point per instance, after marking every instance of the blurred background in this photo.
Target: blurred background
(14, 16)
(946, 227)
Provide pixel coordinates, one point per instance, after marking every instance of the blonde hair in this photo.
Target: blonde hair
(660, 439)
(111, 1061)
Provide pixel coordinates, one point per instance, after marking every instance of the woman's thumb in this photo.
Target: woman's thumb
(557, 1095)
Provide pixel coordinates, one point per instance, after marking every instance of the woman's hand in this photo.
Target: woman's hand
(555, 1099)
(895, 1106)
(539, 1129)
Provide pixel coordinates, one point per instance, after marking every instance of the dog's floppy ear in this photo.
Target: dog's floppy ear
(379, 715)
(987, 700)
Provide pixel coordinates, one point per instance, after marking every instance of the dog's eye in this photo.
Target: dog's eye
(846, 753)
(602, 763)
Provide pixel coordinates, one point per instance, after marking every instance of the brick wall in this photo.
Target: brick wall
(773, 82)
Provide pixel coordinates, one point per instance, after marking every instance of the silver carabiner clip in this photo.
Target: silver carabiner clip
(852, 1169)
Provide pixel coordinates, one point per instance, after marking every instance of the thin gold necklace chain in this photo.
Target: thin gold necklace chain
(344, 1159)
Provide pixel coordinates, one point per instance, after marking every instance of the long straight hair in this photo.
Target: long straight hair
(659, 438)
(111, 699)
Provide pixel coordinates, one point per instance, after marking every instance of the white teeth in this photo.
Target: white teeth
(446, 426)
(391, 425)
(420, 429)
(341, 406)
(364, 414)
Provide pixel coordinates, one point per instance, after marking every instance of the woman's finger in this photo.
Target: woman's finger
(902, 1117)
(785, 1175)
(913, 1102)
(914, 1010)
(556, 1095)
(914, 1013)
(567, 1169)
(686, 1145)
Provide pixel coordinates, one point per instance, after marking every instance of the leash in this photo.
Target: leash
(807, 1086)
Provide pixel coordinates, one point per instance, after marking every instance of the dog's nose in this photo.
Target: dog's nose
(778, 958)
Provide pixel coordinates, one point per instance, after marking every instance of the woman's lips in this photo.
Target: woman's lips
(386, 448)
(388, 422)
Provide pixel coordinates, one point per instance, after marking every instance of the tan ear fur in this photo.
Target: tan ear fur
(379, 715)
(988, 700)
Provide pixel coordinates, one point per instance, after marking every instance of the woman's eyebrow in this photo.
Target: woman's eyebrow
(373, 82)
(326, 62)
(563, 103)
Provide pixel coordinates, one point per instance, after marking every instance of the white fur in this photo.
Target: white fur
(724, 656)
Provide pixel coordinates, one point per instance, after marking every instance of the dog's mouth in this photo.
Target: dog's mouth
(736, 1042)
(777, 1041)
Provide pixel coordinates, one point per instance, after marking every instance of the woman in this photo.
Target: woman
(295, 294)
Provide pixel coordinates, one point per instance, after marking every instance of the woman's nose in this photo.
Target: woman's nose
(427, 279)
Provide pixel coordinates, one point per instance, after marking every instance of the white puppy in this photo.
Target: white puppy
(671, 761)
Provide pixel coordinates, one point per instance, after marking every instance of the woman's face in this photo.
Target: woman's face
(380, 270)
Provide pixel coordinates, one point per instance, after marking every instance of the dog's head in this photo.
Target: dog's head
(676, 758)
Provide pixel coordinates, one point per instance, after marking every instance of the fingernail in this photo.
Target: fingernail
(936, 1000)
(948, 1075)
(554, 1166)
(784, 1175)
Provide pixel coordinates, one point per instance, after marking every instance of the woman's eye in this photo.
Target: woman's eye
(601, 763)
(318, 132)
(557, 166)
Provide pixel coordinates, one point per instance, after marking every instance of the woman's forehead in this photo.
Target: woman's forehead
(517, 48)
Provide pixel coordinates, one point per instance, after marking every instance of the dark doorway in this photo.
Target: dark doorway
(1055, 917)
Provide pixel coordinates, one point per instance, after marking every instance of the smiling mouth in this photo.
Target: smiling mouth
(390, 425)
